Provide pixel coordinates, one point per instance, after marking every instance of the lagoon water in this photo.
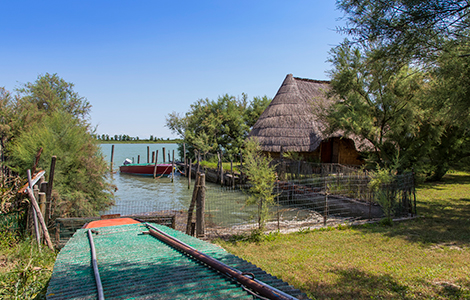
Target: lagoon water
(142, 194)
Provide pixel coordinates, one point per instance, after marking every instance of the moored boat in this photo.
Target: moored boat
(146, 169)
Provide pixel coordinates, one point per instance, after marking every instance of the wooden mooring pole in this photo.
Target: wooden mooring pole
(192, 204)
(200, 206)
(148, 154)
(163, 148)
(112, 158)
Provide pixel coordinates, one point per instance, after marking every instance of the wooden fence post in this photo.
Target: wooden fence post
(112, 159)
(49, 187)
(189, 175)
(200, 206)
(184, 159)
(38, 214)
(192, 204)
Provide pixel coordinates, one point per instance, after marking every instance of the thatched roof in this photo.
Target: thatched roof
(289, 121)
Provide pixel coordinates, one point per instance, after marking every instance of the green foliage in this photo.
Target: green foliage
(49, 114)
(379, 105)
(221, 125)
(262, 177)
(433, 37)
(378, 185)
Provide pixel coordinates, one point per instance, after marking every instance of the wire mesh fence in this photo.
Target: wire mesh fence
(299, 203)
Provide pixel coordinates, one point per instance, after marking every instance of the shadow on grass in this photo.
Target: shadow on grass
(352, 283)
(356, 284)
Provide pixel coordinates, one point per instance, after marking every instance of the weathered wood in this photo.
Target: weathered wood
(155, 167)
(173, 167)
(200, 206)
(112, 159)
(184, 159)
(192, 204)
(153, 157)
(163, 148)
(42, 203)
(50, 183)
(138, 159)
(36, 161)
(231, 172)
(39, 215)
(189, 175)
(169, 157)
(198, 161)
(34, 215)
(148, 154)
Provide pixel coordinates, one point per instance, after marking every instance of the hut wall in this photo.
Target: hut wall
(332, 150)
(348, 155)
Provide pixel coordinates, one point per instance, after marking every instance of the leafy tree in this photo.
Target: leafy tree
(221, 125)
(381, 106)
(262, 176)
(49, 114)
(432, 37)
(407, 29)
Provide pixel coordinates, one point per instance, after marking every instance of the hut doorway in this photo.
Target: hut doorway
(330, 151)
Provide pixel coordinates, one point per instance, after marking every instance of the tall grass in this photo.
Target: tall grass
(24, 271)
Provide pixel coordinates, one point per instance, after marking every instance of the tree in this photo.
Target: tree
(407, 28)
(49, 114)
(432, 37)
(221, 125)
(262, 176)
(379, 105)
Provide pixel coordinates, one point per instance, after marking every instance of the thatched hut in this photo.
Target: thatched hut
(289, 124)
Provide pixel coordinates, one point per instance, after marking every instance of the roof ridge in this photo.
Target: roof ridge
(312, 80)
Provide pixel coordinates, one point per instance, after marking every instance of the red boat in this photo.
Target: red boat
(146, 169)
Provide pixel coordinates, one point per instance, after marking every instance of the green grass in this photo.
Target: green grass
(24, 271)
(427, 258)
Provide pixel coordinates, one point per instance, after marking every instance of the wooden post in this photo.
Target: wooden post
(35, 217)
(200, 206)
(184, 159)
(155, 166)
(153, 157)
(191, 205)
(325, 212)
(112, 158)
(169, 157)
(36, 161)
(198, 161)
(148, 154)
(221, 171)
(173, 167)
(39, 215)
(156, 157)
(138, 159)
(241, 179)
(163, 154)
(189, 175)
(231, 171)
(49, 187)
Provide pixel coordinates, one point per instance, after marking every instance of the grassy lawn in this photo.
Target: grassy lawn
(427, 258)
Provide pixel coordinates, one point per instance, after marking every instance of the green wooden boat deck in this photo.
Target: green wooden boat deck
(133, 265)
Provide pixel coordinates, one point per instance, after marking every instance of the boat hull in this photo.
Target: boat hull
(146, 169)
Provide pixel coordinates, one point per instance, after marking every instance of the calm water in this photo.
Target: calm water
(141, 194)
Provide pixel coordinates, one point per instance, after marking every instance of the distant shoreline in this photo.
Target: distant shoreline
(176, 141)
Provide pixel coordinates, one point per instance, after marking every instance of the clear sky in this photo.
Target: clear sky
(137, 61)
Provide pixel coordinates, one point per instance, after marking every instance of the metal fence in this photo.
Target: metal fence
(302, 203)
(311, 202)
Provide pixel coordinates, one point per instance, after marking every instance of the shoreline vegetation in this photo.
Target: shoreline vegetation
(424, 258)
(172, 141)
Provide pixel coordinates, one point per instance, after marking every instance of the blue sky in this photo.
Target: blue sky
(137, 61)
